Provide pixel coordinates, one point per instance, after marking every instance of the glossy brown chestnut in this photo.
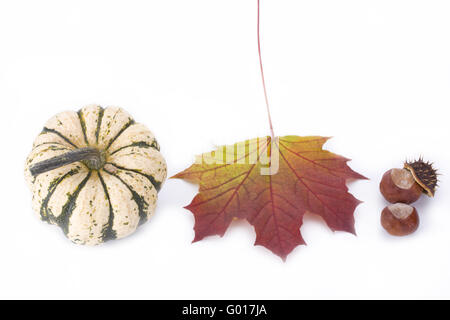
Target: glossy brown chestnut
(399, 219)
(398, 185)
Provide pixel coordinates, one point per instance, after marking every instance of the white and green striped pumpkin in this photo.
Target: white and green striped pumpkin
(95, 173)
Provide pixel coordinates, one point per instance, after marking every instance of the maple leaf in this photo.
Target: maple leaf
(271, 184)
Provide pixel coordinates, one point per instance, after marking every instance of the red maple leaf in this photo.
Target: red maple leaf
(272, 186)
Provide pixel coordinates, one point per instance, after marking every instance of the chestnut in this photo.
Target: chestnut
(400, 219)
(399, 185)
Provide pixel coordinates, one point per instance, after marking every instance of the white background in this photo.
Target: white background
(375, 75)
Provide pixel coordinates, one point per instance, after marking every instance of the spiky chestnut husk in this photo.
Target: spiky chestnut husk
(424, 174)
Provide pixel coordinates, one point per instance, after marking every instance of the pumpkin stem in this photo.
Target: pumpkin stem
(93, 158)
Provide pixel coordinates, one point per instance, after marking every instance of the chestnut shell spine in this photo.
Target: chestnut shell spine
(93, 204)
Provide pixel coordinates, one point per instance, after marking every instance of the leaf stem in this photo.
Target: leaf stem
(262, 73)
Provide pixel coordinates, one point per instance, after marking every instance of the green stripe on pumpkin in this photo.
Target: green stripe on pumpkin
(141, 203)
(99, 123)
(140, 144)
(60, 135)
(64, 218)
(154, 182)
(45, 216)
(125, 127)
(51, 142)
(83, 125)
(108, 233)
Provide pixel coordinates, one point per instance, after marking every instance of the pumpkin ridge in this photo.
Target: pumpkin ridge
(99, 123)
(156, 184)
(141, 203)
(64, 218)
(108, 233)
(125, 127)
(60, 135)
(51, 189)
(83, 125)
(140, 144)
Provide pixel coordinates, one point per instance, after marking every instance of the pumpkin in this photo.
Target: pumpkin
(95, 173)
